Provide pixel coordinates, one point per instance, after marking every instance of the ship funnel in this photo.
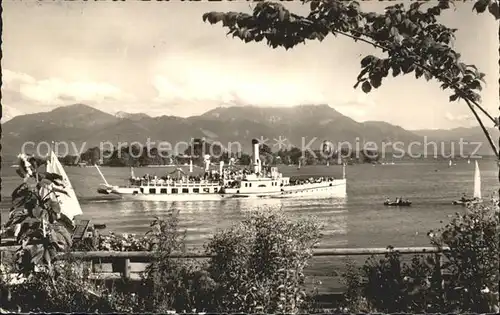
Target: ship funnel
(207, 163)
(256, 155)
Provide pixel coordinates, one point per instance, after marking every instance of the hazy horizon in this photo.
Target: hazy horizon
(160, 58)
(152, 116)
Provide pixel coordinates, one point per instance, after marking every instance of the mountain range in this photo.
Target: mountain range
(83, 124)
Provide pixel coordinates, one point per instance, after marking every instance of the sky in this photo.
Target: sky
(160, 58)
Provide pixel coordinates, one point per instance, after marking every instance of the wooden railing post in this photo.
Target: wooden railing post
(439, 274)
(126, 268)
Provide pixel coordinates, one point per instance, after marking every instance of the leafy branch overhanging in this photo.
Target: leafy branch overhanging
(412, 39)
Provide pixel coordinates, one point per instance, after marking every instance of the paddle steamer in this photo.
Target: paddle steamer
(226, 183)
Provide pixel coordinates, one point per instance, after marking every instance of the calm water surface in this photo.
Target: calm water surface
(360, 220)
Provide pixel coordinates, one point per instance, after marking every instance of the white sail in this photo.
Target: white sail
(450, 163)
(132, 174)
(190, 166)
(477, 182)
(69, 203)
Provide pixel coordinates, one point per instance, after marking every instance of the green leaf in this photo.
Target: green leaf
(476, 84)
(16, 216)
(407, 66)
(453, 97)
(427, 75)
(59, 190)
(213, 17)
(494, 10)
(444, 4)
(415, 5)
(37, 161)
(53, 176)
(60, 237)
(366, 87)
(388, 21)
(366, 61)
(418, 72)
(314, 5)
(376, 81)
(283, 14)
(36, 253)
(480, 6)
(21, 191)
(21, 172)
(396, 70)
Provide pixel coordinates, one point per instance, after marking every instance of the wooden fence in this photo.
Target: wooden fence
(121, 261)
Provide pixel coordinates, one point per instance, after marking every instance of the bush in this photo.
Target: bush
(469, 270)
(61, 289)
(171, 284)
(258, 265)
(473, 258)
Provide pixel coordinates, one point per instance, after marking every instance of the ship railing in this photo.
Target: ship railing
(122, 262)
(183, 184)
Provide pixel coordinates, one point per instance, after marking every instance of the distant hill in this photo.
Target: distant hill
(474, 136)
(80, 124)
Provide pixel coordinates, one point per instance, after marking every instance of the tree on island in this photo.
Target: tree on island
(411, 38)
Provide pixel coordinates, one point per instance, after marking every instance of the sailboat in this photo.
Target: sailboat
(477, 197)
(450, 163)
(299, 165)
(69, 204)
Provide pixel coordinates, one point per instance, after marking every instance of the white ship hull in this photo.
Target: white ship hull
(332, 189)
(167, 193)
(178, 197)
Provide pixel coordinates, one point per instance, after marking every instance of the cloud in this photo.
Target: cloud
(459, 118)
(26, 91)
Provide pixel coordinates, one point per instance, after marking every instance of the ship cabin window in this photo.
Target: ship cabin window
(175, 190)
(262, 185)
(142, 190)
(246, 184)
(249, 184)
(185, 190)
(196, 190)
(206, 190)
(152, 190)
(163, 190)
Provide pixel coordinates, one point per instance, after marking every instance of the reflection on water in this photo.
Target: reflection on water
(202, 218)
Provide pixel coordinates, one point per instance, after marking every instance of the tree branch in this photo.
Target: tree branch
(445, 80)
(486, 133)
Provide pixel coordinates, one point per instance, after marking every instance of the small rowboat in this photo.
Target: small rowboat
(397, 204)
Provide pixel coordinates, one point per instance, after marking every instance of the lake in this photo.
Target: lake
(360, 220)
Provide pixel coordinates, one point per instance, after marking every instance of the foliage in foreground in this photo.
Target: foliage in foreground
(43, 229)
(466, 281)
(258, 265)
